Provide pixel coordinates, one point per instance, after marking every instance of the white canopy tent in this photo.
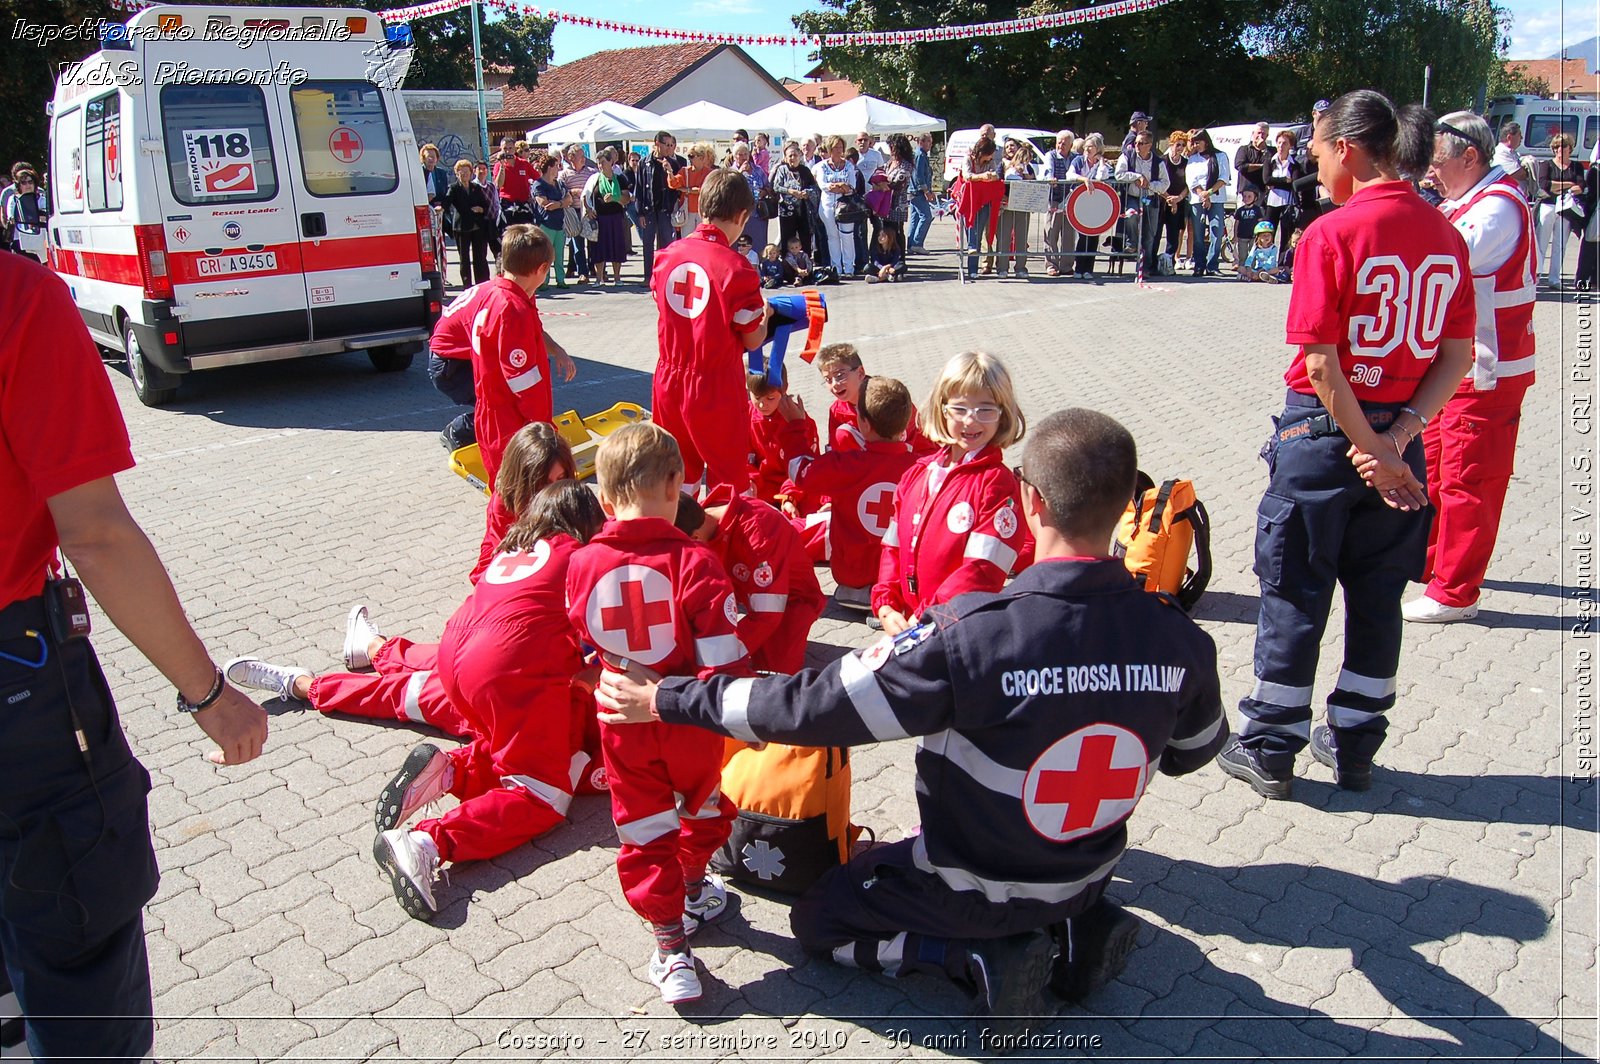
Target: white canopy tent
(796, 120)
(868, 114)
(704, 120)
(606, 120)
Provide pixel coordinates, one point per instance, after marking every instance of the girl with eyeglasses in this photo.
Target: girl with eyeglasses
(957, 522)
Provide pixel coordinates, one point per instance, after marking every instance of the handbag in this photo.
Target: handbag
(767, 203)
(680, 213)
(1570, 206)
(572, 221)
(850, 209)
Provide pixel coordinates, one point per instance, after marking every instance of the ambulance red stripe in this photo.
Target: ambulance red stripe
(307, 256)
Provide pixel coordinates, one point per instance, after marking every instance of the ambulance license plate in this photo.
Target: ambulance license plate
(218, 265)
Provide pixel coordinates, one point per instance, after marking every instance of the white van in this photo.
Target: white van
(237, 185)
(1542, 119)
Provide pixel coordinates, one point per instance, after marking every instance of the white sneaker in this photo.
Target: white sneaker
(412, 861)
(710, 904)
(675, 976)
(264, 676)
(1427, 610)
(427, 776)
(359, 632)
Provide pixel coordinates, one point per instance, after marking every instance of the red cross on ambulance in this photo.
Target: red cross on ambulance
(1085, 782)
(630, 614)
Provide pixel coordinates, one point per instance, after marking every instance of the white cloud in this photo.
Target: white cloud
(722, 7)
(1540, 29)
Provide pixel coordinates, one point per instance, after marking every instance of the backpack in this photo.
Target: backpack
(1155, 534)
(794, 815)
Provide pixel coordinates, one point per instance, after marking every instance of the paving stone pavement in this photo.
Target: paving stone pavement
(1450, 911)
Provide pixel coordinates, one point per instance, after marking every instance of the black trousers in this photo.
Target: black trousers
(76, 861)
(473, 250)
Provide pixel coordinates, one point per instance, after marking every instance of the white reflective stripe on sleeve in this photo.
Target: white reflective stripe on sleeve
(891, 538)
(715, 651)
(746, 316)
(525, 380)
(845, 955)
(412, 705)
(981, 545)
(1367, 686)
(867, 698)
(796, 464)
(554, 797)
(1204, 736)
(1345, 717)
(736, 710)
(580, 761)
(1001, 892)
(1515, 297)
(1251, 726)
(890, 953)
(1278, 694)
(1515, 368)
(711, 808)
(647, 829)
(961, 752)
(768, 603)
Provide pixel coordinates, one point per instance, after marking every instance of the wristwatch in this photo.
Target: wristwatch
(186, 706)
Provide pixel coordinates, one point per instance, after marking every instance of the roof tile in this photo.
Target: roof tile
(626, 75)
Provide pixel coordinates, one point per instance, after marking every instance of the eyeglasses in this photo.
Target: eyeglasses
(837, 378)
(983, 415)
(1016, 471)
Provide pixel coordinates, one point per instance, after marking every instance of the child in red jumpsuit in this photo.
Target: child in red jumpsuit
(846, 380)
(773, 580)
(957, 524)
(543, 458)
(859, 487)
(780, 433)
(710, 313)
(643, 591)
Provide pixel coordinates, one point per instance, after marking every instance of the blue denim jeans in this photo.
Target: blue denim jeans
(974, 237)
(1209, 233)
(921, 220)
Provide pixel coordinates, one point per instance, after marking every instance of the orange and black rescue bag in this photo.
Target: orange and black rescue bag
(794, 814)
(1155, 536)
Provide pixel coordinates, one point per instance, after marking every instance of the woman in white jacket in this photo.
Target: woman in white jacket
(1090, 166)
(838, 178)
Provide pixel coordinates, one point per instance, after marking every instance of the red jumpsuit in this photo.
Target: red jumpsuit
(1471, 446)
(405, 686)
(955, 529)
(775, 444)
(844, 429)
(643, 590)
(511, 367)
(452, 334)
(708, 301)
(860, 484)
(507, 661)
(498, 520)
(772, 579)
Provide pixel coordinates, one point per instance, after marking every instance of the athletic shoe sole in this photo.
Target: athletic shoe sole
(1106, 958)
(405, 891)
(355, 657)
(391, 803)
(1020, 1005)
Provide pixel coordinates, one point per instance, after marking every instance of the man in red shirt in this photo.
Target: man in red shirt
(78, 866)
(509, 359)
(514, 176)
(708, 298)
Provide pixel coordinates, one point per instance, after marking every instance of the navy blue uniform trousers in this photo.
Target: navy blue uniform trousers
(76, 863)
(1319, 526)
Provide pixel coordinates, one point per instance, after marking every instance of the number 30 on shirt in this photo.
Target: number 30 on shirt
(1411, 310)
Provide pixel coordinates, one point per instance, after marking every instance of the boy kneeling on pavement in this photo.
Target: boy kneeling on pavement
(1053, 701)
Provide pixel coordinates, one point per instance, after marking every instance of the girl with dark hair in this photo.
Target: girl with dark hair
(901, 163)
(1382, 314)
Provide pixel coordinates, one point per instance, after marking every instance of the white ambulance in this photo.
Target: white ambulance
(237, 185)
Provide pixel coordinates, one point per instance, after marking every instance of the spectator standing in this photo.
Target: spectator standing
(1143, 180)
(26, 214)
(838, 177)
(798, 195)
(1175, 200)
(761, 152)
(1589, 249)
(872, 160)
(1090, 166)
(1250, 161)
(1058, 232)
(480, 176)
(661, 180)
(702, 156)
(899, 170)
(78, 865)
(1560, 183)
(1138, 122)
(469, 210)
(1472, 443)
(575, 177)
(607, 196)
(1011, 237)
(631, 160)
(982, 204)
(437, 182)
(1507, 159)
(6, 194)
(1282, 171)
(514, 175)
(549, 209)
(1207, 177)
(920, 194)
(742, 163)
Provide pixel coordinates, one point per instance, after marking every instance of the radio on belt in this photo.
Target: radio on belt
(789, 312)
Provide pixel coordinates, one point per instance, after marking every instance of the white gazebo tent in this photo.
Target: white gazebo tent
(606, 120)
(704, 120)
(868, 114)
(796, 120)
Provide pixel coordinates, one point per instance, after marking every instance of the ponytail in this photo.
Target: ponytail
(1399, 140)
(566, 507)
(1413, 144)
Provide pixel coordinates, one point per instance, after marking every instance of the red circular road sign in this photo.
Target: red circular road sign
(1093, 208)
(345, 144)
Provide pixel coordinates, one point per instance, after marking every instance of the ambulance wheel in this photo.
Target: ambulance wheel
(390, 359)
(153, 386)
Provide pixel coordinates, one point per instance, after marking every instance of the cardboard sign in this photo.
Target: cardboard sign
(1030, 196)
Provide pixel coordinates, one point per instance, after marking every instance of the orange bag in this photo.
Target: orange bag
(1158, 530)
(794, 814)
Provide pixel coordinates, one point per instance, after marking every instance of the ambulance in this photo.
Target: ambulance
(235, 185)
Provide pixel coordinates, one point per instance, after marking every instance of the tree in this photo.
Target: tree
(443, 58)
(1508, 80)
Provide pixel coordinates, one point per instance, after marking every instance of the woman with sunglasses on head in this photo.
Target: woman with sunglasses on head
(1382, 315)
(957, 525)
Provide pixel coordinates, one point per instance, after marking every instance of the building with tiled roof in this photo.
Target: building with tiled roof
(825, 94)
(658, 77)
(1569, 79)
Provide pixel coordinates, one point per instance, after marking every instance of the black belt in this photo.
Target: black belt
(1319, 425)
(22, 616)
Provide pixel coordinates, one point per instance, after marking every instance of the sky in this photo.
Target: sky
(1539, 27)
